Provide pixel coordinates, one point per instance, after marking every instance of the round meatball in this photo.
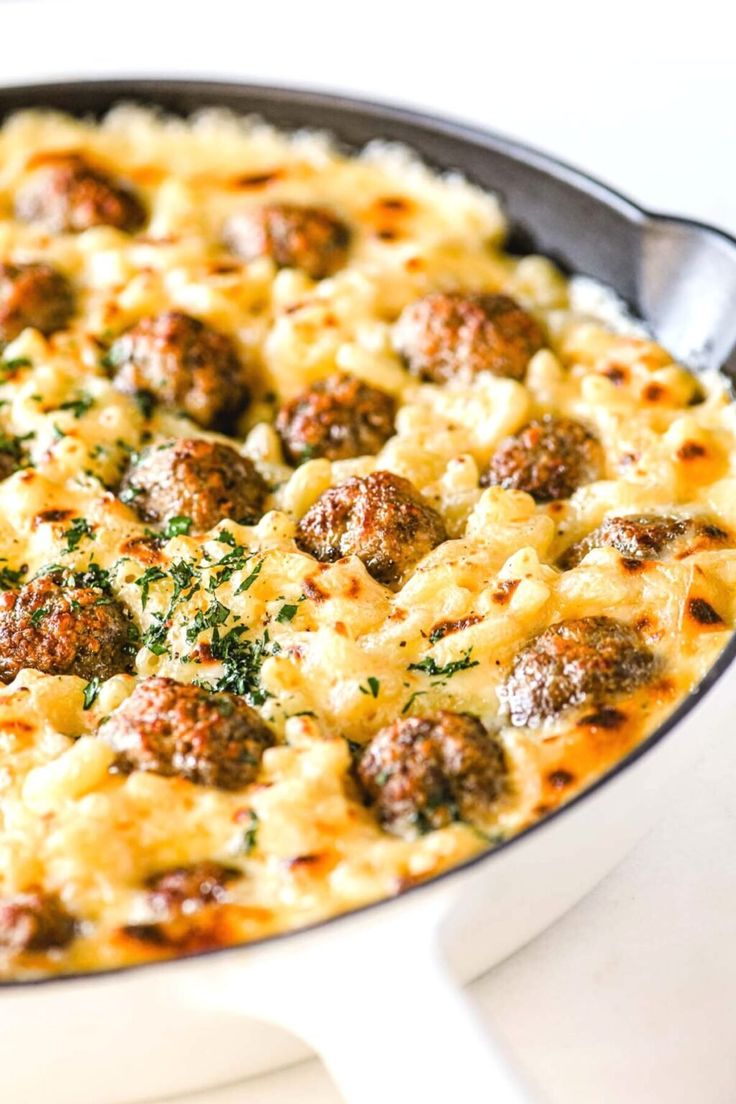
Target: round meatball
(312, 239)
(34, 921)
(549, 459)
(63, 630)
(173, 729)
(383, 519)
(422, 773)
(648, 537)
(35, 296)
(181, 362)
(204, 481)
(573, 663)
(184, 889)
(338, 418)
(446, 336)
(67, 193)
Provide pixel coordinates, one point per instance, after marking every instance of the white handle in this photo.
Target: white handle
(419, 1040)
(379, 1005)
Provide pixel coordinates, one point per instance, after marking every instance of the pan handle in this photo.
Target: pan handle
(382, 1009)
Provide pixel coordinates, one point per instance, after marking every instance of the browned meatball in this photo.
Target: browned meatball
(181, 362)
(173, 729)
(572, 663)
(424, 772)
(204, 481)
(549, 459)
(310, 238)
(446, 336)
(338, 418)
(35, 296)
(67, 193)
(184, 889)
(649, 537)
(383, 519)
(63, 630)
(34, 921)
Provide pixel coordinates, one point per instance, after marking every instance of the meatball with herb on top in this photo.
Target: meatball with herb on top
(446, 336)
(173, 729)
(382, 518)
(201, 481)
(337, 418)
(312, 239)
(549, 459)
(63, 630)
(579, 662)
(66, 193)
(184, 364)
(422, 773)
(33, 296)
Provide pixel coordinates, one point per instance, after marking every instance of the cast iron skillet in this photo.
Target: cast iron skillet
(677, 274)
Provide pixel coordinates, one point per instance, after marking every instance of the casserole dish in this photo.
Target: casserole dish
(681, 278)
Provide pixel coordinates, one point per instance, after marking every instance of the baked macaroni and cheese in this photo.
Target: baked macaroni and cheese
(336, 543)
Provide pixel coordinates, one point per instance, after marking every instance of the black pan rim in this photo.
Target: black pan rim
(146, 89)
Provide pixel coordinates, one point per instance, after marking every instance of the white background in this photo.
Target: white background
(631, 996)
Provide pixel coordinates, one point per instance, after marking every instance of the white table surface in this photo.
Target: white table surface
(631, 996)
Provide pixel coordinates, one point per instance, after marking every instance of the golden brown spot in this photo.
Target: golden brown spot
(145, 549)
(256, 180)
(17, 726)
(224, 268)
(702, 612)
(634, 566)
(302, 861)
(414, 264)
(313, 590)
(654, 393)
(643, 624)
(48, 157)
(341, 628)
(48, 516)
(604, 717)
(446, 628)
(691, 450)
(388, 235)
(394, 203)
(617, 374)
(505, 589)
(560, 779)
(399, 614)
(354, 588)
(203, 652)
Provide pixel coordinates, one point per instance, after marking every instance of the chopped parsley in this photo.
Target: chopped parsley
(177, 526)
(146, 403)
(410, 701)
(79, 529)
(373, 687)
(91, 691)
(247, 583)
(79, 406)
(150, 575)
(38, 615)
(430, 666)
(250, 835)
(8, 367)
(10, 578)
(286, 613)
